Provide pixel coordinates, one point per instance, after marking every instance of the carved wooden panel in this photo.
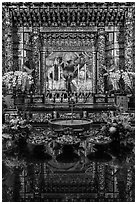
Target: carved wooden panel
(75, 48)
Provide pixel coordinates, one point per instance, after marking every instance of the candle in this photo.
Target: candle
(85, 75)
(78, 75)
(59, 73)
(53, 77)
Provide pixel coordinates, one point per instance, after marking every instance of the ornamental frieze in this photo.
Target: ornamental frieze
(68, 48)
(68, 41)
(70, 35)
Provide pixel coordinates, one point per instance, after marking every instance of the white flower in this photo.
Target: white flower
(112, 129)
(13, 79)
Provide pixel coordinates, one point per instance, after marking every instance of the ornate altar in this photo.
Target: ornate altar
(70, 47)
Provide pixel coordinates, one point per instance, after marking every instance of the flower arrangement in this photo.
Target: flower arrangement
(123, 81)
(17, 80)
(39, 137)
(18, 124)
(100, 139)
(119, 128)
(15, 132)
(68, 140)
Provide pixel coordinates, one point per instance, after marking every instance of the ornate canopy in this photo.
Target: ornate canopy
(33, 30)
(69, 14)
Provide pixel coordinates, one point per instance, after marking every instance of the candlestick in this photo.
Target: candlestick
(85, 77)
(59, 73)
(78, 75)
(72, 113)
(59, 77)
(53, 78)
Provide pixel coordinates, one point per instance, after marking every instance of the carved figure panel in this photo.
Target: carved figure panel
(69, 70)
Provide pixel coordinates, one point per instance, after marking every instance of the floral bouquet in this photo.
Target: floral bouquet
(123, 81)
(16, 132)
(18, 81)
(119, 128)
(19, 124)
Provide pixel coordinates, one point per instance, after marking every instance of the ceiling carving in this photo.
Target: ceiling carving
(69, 14)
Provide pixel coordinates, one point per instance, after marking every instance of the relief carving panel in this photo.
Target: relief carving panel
(69, 54)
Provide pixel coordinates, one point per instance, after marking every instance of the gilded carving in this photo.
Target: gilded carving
(129, 40)
(65, 14)
(36, 53)
(7, 41)
(69, 27)
(101, 58)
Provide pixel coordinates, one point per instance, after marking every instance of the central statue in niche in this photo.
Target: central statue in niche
(71, 71)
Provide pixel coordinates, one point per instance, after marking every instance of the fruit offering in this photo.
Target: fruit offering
(38, 139)
(100, 139)
(67, 139)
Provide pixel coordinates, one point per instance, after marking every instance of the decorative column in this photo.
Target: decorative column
(36, 53)
(121, 40)
(116, 48)
(20, 48)
(130, 39)
(92, 58)
(42, 72)
(16, 46)
(94, 68)
(7, 40)
(101, 58)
